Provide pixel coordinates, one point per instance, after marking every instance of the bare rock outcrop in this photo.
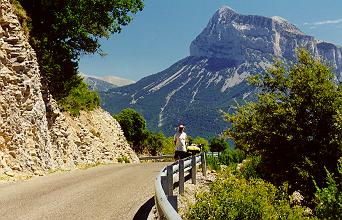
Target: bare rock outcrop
(252, 38)
(34, 135)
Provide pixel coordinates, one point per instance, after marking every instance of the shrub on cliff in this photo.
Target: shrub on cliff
(79, 98)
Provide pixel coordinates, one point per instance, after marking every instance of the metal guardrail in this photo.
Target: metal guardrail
(167, 180)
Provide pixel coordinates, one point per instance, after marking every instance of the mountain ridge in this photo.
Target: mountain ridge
(196, 89)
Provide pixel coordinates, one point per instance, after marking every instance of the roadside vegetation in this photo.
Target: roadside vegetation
(144, 141)
(288, 146)
(141, 140)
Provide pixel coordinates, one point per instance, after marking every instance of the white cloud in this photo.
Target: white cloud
(324, 22)
(337, 21)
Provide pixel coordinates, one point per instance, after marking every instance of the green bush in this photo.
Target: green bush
(154, 143)
(142, 140)
(79, 98)
(229, 156)
(213, 163)
(133, 125)
(329, 199)
(218, 144)
(233, 198)
(201, 141)
(168, 146)
(249, 168)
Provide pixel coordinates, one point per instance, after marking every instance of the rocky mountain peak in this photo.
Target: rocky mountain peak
(225, 12)
(281, 24)
(238, 38)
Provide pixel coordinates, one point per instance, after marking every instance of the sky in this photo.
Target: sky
(161, 34)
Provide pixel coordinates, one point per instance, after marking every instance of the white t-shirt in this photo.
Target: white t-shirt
(180, 139)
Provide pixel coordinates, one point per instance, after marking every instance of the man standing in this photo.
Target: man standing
(180, 140)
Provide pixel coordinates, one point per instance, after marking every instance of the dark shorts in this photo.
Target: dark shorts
(180, 154)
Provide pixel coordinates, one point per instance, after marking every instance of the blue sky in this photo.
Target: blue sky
(161, 34)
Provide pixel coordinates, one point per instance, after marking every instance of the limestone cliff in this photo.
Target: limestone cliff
(34, 135)
(253, 38)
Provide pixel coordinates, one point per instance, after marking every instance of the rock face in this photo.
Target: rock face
(92, 137)
(241, 38)
(213, 78)
(34, 135)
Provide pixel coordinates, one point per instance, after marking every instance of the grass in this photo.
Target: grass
(6, 178)
(123, 159)
(84, 166)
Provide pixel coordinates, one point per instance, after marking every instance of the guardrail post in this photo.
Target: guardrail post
(169, 171)
(181, 176)
(170, 197)
(173, 201)
(163, 180)
(193, 169)
(204, 164)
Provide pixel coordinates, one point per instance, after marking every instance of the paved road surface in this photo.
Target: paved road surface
(105, 192)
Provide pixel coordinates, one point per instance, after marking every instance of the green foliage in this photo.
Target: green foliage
(233, 198)
(329, 199)
(218, 144)
(22, 16)
(296, 124)
(123, 159)
(213, 163)
(134, 127)
(250, 167)
(168, 146)
(229, 157)
(61, 31)
(201, 141)
(154, 142)
(79, 98)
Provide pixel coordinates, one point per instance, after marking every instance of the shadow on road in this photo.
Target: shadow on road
(144, 211)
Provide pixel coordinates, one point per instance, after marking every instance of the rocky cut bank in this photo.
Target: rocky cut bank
(35, 136)
(213, 78)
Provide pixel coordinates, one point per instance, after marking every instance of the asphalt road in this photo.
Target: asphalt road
(105, 192)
